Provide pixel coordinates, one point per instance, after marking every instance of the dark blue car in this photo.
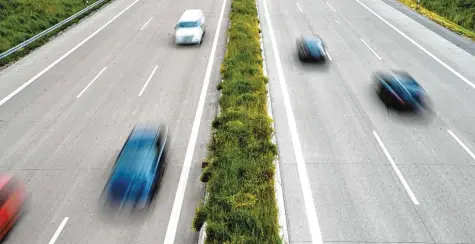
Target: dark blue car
(311, 49)
(398, 89)
(139, 167)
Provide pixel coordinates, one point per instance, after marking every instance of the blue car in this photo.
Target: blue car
(398, 89)
(139, 167)
(311, 49)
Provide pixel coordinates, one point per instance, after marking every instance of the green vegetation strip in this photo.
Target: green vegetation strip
(455, 15)
(22, 19)
(241, 205)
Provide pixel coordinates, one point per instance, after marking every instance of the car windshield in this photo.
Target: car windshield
(313, 43)
(188, 24)
(134, 154)
(410, 82)
(407, 82)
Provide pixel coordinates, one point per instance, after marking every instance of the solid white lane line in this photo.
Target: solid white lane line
(462, 144)
(90, 83)
(396, 169)
(284, 233)
(366, 44)
(331, 7)
(180, 192)
(146, 23)
(34, 78)
(337, 22)
(312, 219)
(58, 231)
(148, 80)
(419, 46)
(299, 7)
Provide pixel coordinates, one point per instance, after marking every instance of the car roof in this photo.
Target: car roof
(138, 151)
(311, 39)
(191, 15)
(405, 83)
(405, 79)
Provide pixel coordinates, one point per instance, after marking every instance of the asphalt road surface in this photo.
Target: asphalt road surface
(373, 176)
(87, 88)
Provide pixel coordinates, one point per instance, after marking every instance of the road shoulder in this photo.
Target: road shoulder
(456, 39)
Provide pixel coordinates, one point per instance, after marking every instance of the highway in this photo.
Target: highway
(68, 107)
(351, 171)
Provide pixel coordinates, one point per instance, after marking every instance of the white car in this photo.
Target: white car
(191, 27)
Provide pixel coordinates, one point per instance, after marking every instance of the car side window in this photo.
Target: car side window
(151, 158)
(161, 144)
(396, 86)
(127, 152)
(200, 23)
(156, 151)
(393, 85)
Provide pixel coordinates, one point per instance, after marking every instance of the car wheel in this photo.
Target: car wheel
(155, 188)
(153, 193)
(301, 56)
(384, 96)
(379, 90)
(393, 102)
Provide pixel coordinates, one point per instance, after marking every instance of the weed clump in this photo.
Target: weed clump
(241, 206)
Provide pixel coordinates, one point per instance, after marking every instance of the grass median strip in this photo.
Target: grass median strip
(446, 12)
(241, 205)
(22, 19)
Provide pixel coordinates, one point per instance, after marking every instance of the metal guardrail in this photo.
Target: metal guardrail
(49, 30)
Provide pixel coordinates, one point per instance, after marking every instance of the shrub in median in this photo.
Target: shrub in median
(241, 206)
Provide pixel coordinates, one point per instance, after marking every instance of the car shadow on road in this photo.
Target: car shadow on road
(423, 117)
(312, 66)
(111, 214)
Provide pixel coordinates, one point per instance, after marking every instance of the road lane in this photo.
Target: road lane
(429, 155)
(337, 141)
(463, 42)
(445, 88)
(24, 69)
(411, 144)
(107, 45)
(63, 146)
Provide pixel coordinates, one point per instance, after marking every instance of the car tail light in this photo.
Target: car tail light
(3, 217)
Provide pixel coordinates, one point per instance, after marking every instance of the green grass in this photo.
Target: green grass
(455, 15)
(241, 206)
(22, 19)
